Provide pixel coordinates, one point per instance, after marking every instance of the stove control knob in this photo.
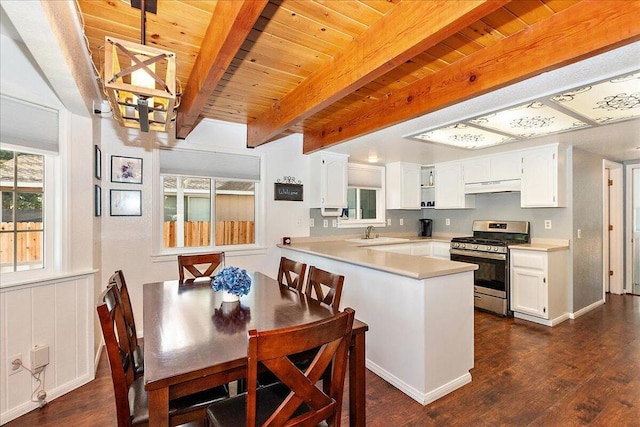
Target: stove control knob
(496, 249)
(475, 246)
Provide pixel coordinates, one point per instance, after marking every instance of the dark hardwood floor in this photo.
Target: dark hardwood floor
(581, 372)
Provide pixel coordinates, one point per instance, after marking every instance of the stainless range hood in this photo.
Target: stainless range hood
(508, 185)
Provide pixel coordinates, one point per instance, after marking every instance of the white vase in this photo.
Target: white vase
(229, 297)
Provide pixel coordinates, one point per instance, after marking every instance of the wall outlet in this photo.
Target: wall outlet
(547, 224)
(447, 221)
(14, 368)
(334, 223)
(325, 223)
(401, 221)
(312, 222)
(388, 221)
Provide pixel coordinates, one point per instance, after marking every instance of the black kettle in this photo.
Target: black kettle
(425, 227)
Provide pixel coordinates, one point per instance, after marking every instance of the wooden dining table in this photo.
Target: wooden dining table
(193, 341)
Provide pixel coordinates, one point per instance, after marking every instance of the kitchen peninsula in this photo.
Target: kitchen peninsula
(419, 310)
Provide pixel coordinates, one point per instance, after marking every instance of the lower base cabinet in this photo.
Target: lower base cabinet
(539, 288)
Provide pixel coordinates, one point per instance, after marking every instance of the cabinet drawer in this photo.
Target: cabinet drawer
(528, 259)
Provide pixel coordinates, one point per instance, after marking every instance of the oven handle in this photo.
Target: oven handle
(472, 254)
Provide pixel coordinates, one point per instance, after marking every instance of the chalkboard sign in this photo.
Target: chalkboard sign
(292, 192)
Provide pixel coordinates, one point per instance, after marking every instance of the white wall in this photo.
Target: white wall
(57, 311)
(127, 242)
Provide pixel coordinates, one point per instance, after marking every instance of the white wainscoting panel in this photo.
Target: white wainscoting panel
(58, 313)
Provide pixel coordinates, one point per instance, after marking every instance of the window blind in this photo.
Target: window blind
(28, 125)
(210, 164)
(365, 176)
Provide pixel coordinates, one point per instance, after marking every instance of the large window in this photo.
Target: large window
(218, 209)
(22, 221)
(365, 197)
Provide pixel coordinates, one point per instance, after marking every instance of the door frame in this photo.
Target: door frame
(629, 225)
(612, 241)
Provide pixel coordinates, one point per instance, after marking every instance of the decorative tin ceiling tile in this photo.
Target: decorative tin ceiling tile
(464, 136)
(609, 101)
(529, 120)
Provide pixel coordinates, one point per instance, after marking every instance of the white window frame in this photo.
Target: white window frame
(52, 221)
(380, 220)
(158, 212)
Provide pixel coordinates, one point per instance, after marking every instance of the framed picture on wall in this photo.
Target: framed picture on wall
(126, 169)
(125, 203)
(97, 200)
(97, 162)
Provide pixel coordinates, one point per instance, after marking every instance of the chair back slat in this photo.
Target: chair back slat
(324, 286)
(291, 273)
(307, 403)
(118, 352)
(202, 265)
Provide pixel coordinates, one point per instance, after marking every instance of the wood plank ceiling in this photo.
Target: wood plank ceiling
(337, 69)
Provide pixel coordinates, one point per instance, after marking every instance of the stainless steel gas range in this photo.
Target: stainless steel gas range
(488, 248)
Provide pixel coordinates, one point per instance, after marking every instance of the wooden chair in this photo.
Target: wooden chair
(324, 286)
(131, 398)
(291, 273)
(296, 399)
(137, 349)
(204, 265)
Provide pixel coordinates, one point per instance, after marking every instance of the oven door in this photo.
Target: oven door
(491, 279)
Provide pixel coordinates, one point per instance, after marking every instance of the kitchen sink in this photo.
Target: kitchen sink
(374, 240)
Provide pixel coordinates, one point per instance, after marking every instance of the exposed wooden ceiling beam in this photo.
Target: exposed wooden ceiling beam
(408, 29)
(583, 30)
(230, 24)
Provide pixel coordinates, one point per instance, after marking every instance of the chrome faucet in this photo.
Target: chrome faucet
(367, 232)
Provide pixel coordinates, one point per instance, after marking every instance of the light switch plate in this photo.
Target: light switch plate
(401, 221)
(447, 221)
(334, 223)
(312, 222)
(325, 223)
(388, 221)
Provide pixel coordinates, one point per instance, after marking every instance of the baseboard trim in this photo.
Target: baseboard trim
(586, 309)
(52, 394)
(412, 392)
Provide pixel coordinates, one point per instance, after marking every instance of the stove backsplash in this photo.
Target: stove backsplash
(503, 206)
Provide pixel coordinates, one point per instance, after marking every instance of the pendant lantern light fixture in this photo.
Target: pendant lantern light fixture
(142, 93)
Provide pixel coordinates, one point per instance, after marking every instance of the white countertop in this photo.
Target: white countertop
(413, 266)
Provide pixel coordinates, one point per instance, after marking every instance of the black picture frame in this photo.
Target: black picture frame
(126, 170)
(125, 203)
(97, 200)
(290, 192)
(97, 162)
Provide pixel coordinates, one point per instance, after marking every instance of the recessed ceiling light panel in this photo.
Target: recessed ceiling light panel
(529, 120)
(464, 136)
(609, 101)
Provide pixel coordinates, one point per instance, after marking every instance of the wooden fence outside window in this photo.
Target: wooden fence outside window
(28, 242)
(196, 233)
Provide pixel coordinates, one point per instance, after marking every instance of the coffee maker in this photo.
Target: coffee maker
(425, 227)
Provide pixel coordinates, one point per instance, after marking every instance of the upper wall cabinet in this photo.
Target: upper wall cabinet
(329, 180)
(498, 167)
(403, 185)
(449, 190)
(543, 177)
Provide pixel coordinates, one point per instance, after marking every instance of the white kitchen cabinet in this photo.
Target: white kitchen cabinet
(449, 191)
(497, 167)
(329, 180)
(543, 177)
(403, 185)
(539, 288)
(440, 250)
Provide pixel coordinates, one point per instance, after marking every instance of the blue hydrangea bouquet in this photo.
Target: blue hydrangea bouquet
(232, 280)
